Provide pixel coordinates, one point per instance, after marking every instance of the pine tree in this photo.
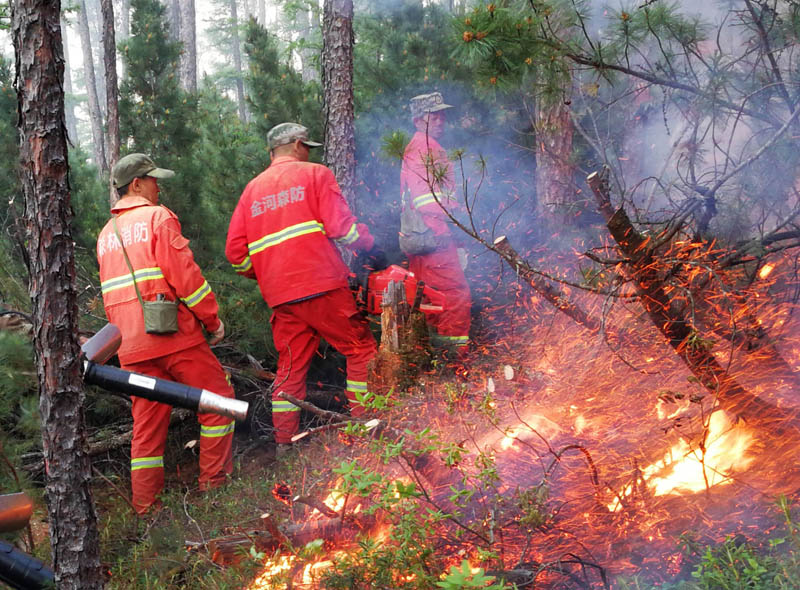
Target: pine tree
(74, 537)
(156, 116)
(275, 90)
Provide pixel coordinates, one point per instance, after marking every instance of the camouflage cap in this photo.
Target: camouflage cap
(289, 133)
(136, 165)
(428, 103)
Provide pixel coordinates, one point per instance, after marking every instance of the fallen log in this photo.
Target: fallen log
(674, 325)
(230, 549)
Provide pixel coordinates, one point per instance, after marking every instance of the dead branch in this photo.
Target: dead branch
(317, 504)
(553, 295)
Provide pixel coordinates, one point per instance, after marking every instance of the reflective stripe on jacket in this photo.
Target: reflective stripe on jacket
(163, 265)
(285, 228)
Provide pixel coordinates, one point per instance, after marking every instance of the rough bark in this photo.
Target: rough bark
(189, 40)
(554, 170)
(337, 82)
(112, 91)
(69, 102)
(674, 324)
(237, 62)
(95, 116)
(44, 169)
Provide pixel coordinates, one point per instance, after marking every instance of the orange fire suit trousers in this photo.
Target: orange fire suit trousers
(297, 329)
(196, 366)
(442, 271)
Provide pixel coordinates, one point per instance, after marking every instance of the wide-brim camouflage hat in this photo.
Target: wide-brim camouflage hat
(428, 103)
(289, 133)
(134, 166)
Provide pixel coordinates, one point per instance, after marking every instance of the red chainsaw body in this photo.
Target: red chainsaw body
(432, 300)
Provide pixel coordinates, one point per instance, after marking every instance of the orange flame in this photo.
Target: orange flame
(688, 469)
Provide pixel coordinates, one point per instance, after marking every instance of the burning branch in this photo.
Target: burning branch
(554, 296)
(668, 316)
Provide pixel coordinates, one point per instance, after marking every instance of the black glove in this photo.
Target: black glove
(375, 259)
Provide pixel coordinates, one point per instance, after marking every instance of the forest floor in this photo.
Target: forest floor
(595, 421)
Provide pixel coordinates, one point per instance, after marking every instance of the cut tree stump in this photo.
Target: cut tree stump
(405, 346)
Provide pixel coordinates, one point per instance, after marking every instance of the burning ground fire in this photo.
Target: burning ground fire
(685, 468)
(613, 443)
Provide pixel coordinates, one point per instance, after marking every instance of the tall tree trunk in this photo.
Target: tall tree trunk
(123, 31)
(69, 100)
(237, 62)
(555, 189)
(95, 116)
(112, 98)
(262, 12)
(96, 32)
(124, 13)
(43, 160)
(337, 82)
(189, 40)
(305, 29)
(174, 18)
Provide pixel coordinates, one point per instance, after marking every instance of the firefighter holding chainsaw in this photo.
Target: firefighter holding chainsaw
(428, 187)
(156, 294)
(284, 233)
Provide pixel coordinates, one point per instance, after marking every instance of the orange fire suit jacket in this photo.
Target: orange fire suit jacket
(283, 229)
(163, 265)
(425, 167)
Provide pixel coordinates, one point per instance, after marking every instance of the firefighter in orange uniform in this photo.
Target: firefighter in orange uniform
(427, 175)
(284, 233)
(161, 266)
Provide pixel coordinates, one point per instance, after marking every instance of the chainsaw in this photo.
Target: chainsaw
(368, 286)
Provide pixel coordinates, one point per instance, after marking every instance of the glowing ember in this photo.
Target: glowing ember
(688, 469)
(282, 492)
(765, 270)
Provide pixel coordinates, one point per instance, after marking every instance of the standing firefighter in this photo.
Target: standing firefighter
(156, 294)
(284, 233)
(428, 185)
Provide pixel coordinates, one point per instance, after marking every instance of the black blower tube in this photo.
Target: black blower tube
(23, 572)
(164, 391)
